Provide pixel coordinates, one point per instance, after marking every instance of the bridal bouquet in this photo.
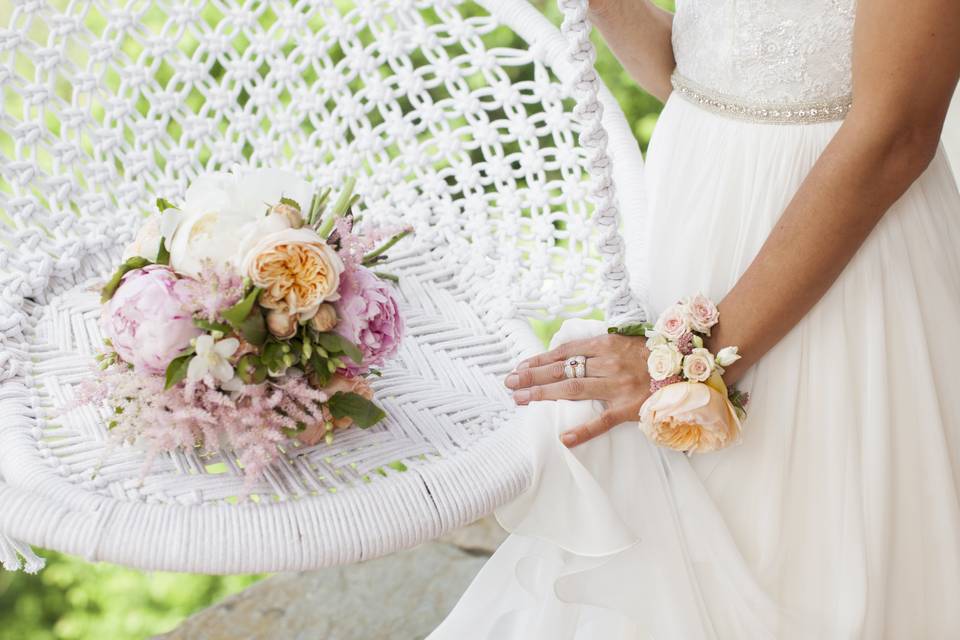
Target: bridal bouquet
(249, 316)
(691, 409)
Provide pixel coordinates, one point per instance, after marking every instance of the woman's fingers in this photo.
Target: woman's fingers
(568, 389)
(586, 347)
(599, 425)
(597, 367)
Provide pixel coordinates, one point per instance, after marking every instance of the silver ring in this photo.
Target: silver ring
(575, 367)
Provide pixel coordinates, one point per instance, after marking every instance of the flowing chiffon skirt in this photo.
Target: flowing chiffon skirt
(838, 516)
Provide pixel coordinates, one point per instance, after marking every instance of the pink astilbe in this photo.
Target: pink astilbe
(354, 246)
(250, 421)
(211, 292)
(656, 385)
(685, 344)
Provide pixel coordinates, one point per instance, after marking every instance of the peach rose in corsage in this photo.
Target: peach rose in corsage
(296, 270)
(692, 417)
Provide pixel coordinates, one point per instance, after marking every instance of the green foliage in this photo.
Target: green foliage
(72, 599)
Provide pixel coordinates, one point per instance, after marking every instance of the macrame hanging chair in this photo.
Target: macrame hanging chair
(498, 156)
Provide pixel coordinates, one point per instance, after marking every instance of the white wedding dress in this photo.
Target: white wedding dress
(838, 516)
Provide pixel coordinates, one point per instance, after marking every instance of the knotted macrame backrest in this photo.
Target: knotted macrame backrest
(444, 117)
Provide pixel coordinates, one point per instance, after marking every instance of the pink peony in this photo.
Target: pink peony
(369, 317)
(146, 321)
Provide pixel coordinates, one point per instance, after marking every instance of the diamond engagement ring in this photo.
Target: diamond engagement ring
(575, 367)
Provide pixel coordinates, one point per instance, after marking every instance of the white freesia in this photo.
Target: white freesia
(223, 214)
(727, 356)
(664, 361)
(213, 358)
(698, 365)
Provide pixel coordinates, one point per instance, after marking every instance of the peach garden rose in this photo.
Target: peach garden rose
(296, 270)
(691, 417)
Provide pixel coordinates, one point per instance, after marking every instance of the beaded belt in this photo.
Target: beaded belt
(770, 113)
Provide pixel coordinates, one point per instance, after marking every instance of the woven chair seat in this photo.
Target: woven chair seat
(497, 155)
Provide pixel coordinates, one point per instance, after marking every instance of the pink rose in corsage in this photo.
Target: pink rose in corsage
(690, 408)
(145, 320)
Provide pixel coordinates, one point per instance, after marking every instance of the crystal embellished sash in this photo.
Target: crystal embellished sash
(762, 112)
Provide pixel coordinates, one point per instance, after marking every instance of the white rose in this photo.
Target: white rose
(727, 356)
(673, 322)
(147, 243)
(154, 228)
(664, 361)
(224, 214)
(698, 365)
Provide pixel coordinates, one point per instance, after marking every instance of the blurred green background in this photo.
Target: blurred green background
(74, 600)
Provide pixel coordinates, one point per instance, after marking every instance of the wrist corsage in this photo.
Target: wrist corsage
(691, 408)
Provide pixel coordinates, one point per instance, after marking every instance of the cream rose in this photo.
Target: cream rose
(673, 322)
(691, 417)
(698, 365)
(702, 313)
(156, 227)
(664, 361)
(296, 269)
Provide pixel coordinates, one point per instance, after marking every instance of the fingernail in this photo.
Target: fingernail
(569, 439)
(513, 380)
(521, 396)
(523, 365)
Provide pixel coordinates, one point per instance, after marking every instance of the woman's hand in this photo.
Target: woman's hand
(616, 372)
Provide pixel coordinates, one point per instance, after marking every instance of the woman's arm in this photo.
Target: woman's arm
(638, 33)
(906, 60)
(906, 64)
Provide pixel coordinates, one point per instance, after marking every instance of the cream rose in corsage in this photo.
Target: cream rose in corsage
(691, 409)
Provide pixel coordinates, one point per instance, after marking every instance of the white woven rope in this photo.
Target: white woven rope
(472, 143)
(621, 304)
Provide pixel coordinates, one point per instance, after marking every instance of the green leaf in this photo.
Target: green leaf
(290, 202)
(397, 465)
(163, 205)
(136, 262)
(363, 412)
(631, 329)
(206, 325)
(319, 365)
(253, 328)
(335, 343)
(163, 254)
(177, 370)
(236, 314)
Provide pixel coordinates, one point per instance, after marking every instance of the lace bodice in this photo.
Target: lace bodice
(766, 51)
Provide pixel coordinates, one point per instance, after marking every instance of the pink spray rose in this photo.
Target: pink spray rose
(369, 317)
(146, 320)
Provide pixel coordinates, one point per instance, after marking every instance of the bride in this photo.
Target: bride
(796, 177)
